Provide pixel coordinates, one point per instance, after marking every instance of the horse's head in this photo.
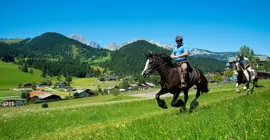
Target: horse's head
(149, 65)
(153, 63)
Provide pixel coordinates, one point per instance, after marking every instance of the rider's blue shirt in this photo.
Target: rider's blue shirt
(180, 50)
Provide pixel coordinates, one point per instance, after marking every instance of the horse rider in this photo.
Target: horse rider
(246, 66)
(180, 54)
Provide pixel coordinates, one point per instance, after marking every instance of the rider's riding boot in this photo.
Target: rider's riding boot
(184, 79)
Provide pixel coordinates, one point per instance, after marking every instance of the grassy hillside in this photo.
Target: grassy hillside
(11, 76)
(92, 83)
(10, 41)
(130, 59)
(222, 114)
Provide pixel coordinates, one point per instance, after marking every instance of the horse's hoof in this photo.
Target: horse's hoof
(164, 107)
(193, 104)
(196, 104)
(182, 110)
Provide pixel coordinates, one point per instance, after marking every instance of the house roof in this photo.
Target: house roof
(263, 57)
(81, 90)
(13, 99)
(150, 84)
(37, 93)
(43, 96)
(133, 85)
(109, 88)
(231, 59)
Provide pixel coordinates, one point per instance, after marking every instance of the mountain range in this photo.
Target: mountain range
(193, 52)
(59, 51)
(81, 39)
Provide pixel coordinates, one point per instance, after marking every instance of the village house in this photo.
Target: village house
(45, 97)
(27, 85)
(84, 93)
(109, 88)
(41, 92)
(232, 61)
(62, 85)
(111, 77)
(25, 90)
(42, 85)
(131, 86)
(14, 102)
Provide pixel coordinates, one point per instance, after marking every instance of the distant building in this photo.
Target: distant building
(84, 93)
(109, 88)
(122, 90)
(27, 85)
(132, 86)
(69, 89)
(14, 102)
(45, 97)
(232, 61)
(111, 77)
(25, 90)
(42, 85)
(37, 93)
(150, 84)
(62, 85)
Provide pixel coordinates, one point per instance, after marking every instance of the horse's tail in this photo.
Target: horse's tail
(203, 83)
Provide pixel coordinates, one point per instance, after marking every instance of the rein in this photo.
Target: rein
(159, 67)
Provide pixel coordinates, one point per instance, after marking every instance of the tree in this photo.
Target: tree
(248, 53)
(19, 85)
(99, 89)
(48, 82)
(25, 95)
(228, 73)
(58, 77)
(124, 84)
(115, 92)
(101, 78)
(31, 71)
(24, 68)
(34, 86)
(218, 77)
(43, 73)
(68, 80)
(267, 65)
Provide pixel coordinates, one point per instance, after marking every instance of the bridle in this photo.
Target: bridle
(158, 67)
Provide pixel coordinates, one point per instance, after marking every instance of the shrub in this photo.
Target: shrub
(25, 95)
(45, 105)
(115, 92)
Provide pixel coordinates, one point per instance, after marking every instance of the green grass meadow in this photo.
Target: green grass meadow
(221, 114)
(11, 76)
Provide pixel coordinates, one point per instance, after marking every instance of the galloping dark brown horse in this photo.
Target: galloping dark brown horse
(170, 81)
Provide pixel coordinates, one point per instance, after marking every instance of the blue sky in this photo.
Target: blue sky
(213, 25)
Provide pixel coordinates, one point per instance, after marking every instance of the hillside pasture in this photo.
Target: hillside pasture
(222, 114)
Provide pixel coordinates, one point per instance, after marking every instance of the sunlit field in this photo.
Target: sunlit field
(221, 114)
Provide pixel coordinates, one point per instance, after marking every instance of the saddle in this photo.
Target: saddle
(193, 74)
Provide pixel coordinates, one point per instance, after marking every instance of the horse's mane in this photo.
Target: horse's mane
(166, 58)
